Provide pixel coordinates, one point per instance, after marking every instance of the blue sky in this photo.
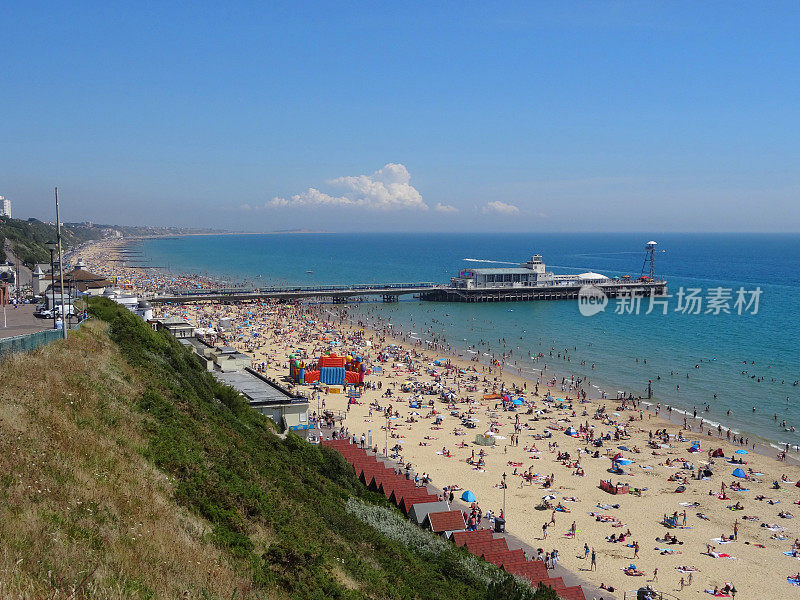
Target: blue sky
(656, 116)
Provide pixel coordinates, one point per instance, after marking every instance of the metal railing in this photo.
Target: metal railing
(365, 287)
(28, 342)
(32, 341)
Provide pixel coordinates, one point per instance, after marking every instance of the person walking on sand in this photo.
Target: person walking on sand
(593, 566)
(635, 549)
(655, 575)
(585, 551)
(544, 531)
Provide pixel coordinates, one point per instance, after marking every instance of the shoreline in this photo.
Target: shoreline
(757, 443)
(765, 446)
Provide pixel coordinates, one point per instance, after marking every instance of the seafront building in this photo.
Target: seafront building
(289, 410)
(531, 273)
(5, 207)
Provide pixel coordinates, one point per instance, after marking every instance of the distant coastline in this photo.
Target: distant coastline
(214, 233)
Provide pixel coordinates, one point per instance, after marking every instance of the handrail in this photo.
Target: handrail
(295, 289)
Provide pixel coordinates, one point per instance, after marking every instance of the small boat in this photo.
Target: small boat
(309, 272)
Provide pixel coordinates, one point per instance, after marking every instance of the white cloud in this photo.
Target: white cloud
(445, 208)
(386, 189)
(500, 208)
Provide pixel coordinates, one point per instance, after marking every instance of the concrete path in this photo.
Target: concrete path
(20, 321)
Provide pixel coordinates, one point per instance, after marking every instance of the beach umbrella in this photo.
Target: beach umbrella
(548, 497)
(519, 402)
(739, 473)
(468, 496)
(741, 452)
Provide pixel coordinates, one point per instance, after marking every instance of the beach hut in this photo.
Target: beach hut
(739, 473)
(421, 510)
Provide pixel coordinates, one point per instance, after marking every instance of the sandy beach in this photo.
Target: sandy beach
(654, 456)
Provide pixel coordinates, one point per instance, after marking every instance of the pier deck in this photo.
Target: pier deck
(391, 292)
(556, 292)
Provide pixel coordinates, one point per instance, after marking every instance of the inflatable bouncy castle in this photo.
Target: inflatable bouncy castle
(329, 370)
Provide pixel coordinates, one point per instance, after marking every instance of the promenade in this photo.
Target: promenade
(20, 321)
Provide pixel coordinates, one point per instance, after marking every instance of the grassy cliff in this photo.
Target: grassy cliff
(28, 238)
(129, 472)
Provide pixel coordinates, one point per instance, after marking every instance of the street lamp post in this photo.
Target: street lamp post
(386, 446)
(51, 246)
(60, 267)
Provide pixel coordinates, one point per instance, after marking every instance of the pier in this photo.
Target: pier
(391, 292)
(339, 294)
(612, 289)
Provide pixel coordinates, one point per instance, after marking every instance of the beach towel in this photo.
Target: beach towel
(721, 541)
(792, 555)
(664, 551)
(793, 580)
(722, 555)
(718, 594)
(687, 570)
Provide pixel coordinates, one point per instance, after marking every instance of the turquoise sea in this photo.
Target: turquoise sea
(712, 349)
